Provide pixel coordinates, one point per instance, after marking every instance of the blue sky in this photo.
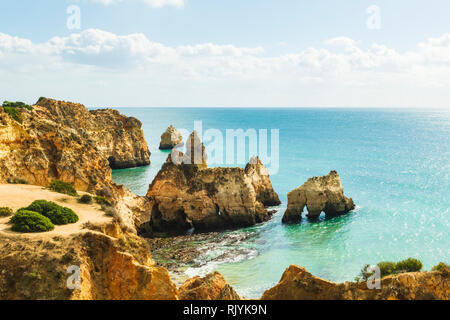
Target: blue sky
(228, 53)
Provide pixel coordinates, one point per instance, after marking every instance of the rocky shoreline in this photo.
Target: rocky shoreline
(179, 253)
(57, 140)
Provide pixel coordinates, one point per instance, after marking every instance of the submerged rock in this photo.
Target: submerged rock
(187, 194)
(298, 284)
(318, 194)
(211, 287)
(170, 138)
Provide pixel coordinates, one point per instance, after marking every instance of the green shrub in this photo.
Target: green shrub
(408, 265)
(62, 187)
(441, 267)
(365, 273)
(17, 104)
(386, 268)
(6, 212)
(102, 201)
(13, 109)
(85, 198)
(30, 221)
(57, 214)
(109, 211)
(16, 180)
(14, 113)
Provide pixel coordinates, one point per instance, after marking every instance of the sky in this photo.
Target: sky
(227, 53)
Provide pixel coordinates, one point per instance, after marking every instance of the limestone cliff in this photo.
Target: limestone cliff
(318, 194)
(112, 266)
(186, 193)
(66, 141)
(298, 284)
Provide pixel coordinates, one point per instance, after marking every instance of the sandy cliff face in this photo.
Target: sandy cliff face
(318, 194)
(114, 266)
(66, 141)
(192, 195)
(298, 284)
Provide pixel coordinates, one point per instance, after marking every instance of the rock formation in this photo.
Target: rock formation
(186, 193)
(113, 266)
(298, 284)
(66, 141)
(211, 287)
(170, 138)
(259, 176)
(61, 140)
(318, 194)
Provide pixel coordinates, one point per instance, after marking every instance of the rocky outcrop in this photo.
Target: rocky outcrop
(121, 139)
(259, 175)
(66, 141)
(170, 138)
(211, 287)
(318, 194)
(116, 266)
(298, 284)
(187, 194)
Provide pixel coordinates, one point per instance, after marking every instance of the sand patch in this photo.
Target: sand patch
(17, 196)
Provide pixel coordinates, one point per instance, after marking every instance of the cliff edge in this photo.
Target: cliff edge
(66, 141)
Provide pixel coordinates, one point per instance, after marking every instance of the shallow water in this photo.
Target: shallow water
(394, 164)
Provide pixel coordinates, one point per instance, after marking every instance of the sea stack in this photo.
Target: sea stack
(170, 138)
(187, 194)
(259, 176)
(318, 194)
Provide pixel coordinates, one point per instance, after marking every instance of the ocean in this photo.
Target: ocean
(395, 164)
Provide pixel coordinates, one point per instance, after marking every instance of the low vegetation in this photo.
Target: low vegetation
(86, 199)
(16, 180)
(62, 187)
(109, 211)
(408, 265)
(441, 267)
(30, 221)
(388, 268)
(102, 201)
(57, 214)
(17, 104)
(6, 212)
(13, 109)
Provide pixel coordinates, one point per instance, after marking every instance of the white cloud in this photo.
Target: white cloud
(339, 74)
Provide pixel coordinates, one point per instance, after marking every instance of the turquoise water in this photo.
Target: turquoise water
(394, 164)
